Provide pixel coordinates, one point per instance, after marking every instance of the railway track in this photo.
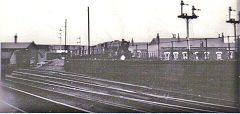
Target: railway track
(100, 95)
(10, 107)
(127, 86)
(30, 97)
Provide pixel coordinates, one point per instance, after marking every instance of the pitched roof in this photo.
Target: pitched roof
(139, 43)
(11, 45)
(194, 42)
(43, 46)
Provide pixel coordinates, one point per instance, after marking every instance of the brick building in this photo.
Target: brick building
(176, 49)
(19, 53)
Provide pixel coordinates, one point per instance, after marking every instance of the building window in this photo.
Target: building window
(219, 55)
(175, 55)
(166, 55)
(206, 54)
(196, 55)
(185, 56)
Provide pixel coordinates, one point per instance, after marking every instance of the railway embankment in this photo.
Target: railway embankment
(216, 80)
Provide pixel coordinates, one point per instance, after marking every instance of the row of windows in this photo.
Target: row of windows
(184, 55)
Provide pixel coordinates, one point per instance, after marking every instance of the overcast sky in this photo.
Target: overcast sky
(40, 20)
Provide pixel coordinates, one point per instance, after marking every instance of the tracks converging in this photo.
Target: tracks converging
(91, 94)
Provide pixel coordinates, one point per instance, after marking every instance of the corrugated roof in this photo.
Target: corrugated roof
(11, 45)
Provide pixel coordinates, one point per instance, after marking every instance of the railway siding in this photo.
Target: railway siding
(102, 95)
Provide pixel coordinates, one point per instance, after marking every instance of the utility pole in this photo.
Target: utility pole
(188, 17)
(65, 45)
(88, 33)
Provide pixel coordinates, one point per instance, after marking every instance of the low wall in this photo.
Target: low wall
(215, 79)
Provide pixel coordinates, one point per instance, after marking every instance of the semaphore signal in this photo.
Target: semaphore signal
(188, 17)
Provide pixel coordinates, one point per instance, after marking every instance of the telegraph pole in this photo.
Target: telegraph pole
(88, 33)
(187, 17)
(60, 37)
(65, 45)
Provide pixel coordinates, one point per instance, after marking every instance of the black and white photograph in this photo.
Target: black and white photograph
(119, 56)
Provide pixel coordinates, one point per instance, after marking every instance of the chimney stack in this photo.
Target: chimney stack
(174, 35)
(178, 37)
(132, 42)
(222, 37)
(157, 37)
(15, 38)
